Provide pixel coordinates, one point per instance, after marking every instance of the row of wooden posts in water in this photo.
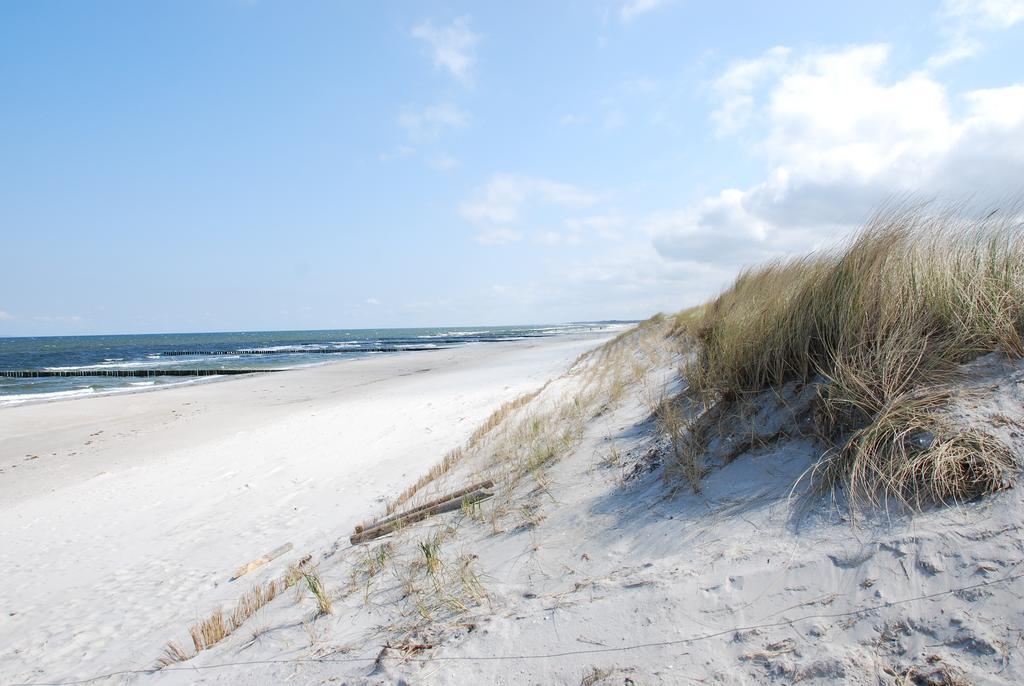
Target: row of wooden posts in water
(127, 373)
(147, 373)
(292, 351)
(356, 349)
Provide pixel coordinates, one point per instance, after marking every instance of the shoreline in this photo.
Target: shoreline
(48, 398)
(129, 512)
(92, 391)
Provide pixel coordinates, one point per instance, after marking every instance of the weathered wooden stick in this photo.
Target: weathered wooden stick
(360, 527)
(448, 506)
(259, 562)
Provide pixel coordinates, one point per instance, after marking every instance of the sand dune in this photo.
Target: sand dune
(124, 516)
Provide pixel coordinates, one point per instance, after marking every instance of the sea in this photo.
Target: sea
(206, 352)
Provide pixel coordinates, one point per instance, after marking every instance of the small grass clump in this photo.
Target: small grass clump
(455, 455)
(324, 604)
(210, 631)
(218, 626)
(248, 604)
(909, 451)
(881, 324)
(687, 454)
(431, 559)
(173, 653)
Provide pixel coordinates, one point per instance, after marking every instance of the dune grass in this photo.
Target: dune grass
(208, 632)
(525, 434)
(324, 604)
(882, 324)
(218, 625)
(455, 455)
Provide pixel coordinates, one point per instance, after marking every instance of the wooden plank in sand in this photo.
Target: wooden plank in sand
(488, 483)
(260, 561)
(448, 506)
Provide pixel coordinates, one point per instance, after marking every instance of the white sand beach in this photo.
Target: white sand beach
(124, 516)
(589, 565)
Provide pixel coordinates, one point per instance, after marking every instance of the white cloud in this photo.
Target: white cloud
(504, 197)
(963, 20)
(718, 231)
(960, 47)
(5, 315)
(372, 301)
(635, 280)
(633, 8)
(509, 204)
(735, 88)
(581, 230)
(992, 14)
(429, 122)
(452, 46)
(840, 135)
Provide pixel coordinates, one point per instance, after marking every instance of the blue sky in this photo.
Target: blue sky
(226, 165)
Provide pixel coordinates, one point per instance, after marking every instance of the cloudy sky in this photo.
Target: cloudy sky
(247, 164)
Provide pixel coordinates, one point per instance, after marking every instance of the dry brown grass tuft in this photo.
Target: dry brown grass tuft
(217, 626)
(880, 325)
(173, 653)
(453, 457)
(686, 323)
(248, 604)
(456, 455)
(292, 576)
(209, 631)
(911, 452)
(499, 415)
(687, 454)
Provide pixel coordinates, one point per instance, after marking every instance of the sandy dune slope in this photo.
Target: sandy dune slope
(124, 516)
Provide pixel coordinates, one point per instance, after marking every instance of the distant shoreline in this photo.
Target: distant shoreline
(234, 352)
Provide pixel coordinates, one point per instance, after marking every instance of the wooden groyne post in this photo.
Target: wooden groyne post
(299, 351)
(126, 373)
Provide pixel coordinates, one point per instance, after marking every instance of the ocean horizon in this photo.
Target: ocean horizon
(230, 351)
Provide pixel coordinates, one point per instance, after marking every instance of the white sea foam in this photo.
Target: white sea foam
(152, 362)
(287, 348)
(448, 334)
(96, 391)
(18, 398)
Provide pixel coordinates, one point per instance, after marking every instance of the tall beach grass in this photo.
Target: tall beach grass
(882, 324)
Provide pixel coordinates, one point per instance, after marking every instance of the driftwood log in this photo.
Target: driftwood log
(386, 527)
(362, 526)
(260, 561)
